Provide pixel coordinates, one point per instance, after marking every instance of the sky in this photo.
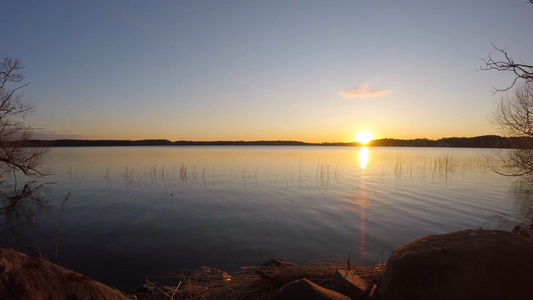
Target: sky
(312, 71)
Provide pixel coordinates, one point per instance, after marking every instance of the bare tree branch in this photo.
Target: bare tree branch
(14, 130)
(10, 71)
(514, 112)
(507, 64)
(516, 163)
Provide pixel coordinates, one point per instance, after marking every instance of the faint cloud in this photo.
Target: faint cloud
(362, 91)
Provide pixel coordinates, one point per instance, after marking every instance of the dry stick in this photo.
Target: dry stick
(380, 256)
(175, 290)
(326, 270)
(153, 285)
(348, 261)
(300, 266)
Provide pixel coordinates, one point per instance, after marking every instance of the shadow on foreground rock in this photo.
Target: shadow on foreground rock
(468, 264)
(23, 277)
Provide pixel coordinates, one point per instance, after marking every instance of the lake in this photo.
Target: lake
(118, 214)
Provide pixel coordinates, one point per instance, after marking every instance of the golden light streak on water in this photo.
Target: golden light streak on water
(363, 157)
(363, 161)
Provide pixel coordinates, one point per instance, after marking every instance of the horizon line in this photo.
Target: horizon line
(260, 140)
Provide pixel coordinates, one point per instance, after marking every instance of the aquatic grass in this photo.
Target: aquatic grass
(398, 166)
(322, 175)
(107, 173)
(194, 172)
(435, 168)
(128, 174)
(324, 172)
(73, 174)
(183, 173)
(445, 166)
(288, 179)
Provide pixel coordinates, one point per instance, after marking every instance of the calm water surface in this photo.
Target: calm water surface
(120, 213)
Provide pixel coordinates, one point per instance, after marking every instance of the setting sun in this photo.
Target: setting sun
(363, 137)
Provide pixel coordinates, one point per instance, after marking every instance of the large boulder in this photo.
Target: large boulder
(468, 264)
(23, 277)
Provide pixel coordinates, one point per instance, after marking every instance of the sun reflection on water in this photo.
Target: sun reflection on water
(363, 157)
(363, 160)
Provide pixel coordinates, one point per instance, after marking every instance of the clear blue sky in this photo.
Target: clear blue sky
(316, 71)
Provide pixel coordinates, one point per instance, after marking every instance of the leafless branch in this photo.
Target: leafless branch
(516, 163)
(507, 64)
(14, 130)
(10, 71)
(514, 112)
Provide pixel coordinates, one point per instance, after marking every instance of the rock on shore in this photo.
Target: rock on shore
(468, 264)
(23, 277)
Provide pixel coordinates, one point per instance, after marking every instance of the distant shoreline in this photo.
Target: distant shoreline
(485, 141)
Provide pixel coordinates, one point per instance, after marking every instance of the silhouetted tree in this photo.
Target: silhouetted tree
(15, 132)
(514, 114)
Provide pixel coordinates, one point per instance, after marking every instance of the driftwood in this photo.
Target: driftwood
(253, 282)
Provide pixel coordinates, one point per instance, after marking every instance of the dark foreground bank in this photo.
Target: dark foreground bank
(468, 264)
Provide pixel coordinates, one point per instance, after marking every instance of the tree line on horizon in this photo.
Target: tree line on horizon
(485, 141)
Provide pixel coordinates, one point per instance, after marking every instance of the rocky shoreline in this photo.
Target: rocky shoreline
(467, 264)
